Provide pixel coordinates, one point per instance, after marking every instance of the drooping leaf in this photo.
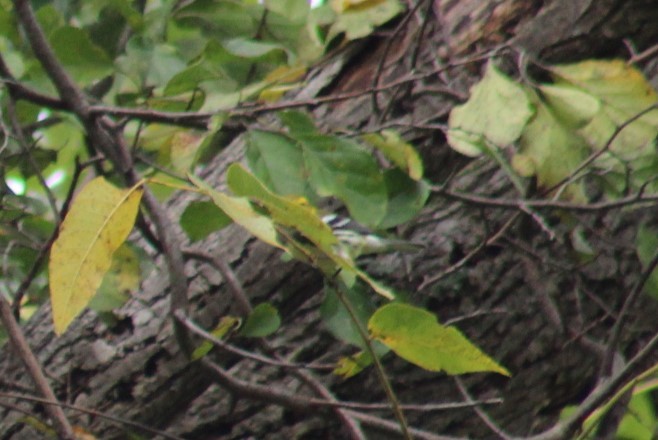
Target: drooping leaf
(293, 213)
(201, 218)
(309, 239)
(415, 335)
(496, 113)
(242, 212)
(99, 221)
(401, 153)
(262, 321)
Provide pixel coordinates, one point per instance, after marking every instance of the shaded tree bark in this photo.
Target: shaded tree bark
(521, 295)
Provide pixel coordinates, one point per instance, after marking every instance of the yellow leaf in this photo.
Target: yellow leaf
(99, 221)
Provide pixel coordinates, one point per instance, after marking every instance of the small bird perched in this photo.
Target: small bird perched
(356, 240)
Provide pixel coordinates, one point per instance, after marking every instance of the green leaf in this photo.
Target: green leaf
(149, 64)
(406, 198)
(415, 334)
(401, 153)
(342, 168)
(298, 123)
(99, 221)
(278, 162)
(184, 148)
(201, 219)
(496, 113)
(81, 58)
(639, 422)
(262, 321)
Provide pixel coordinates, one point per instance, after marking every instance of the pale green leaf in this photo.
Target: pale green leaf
(573, 107)
(415, 335)
(496, 112)
(551, 150)
(623, 92)
(294, 213)
(99, 221)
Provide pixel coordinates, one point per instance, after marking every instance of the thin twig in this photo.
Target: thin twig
(379, 368)
(111, 418)
(480, 412)
(31, 363)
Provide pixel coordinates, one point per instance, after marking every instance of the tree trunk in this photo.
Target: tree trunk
(522, 298)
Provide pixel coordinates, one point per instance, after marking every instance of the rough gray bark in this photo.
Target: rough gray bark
(523, 299)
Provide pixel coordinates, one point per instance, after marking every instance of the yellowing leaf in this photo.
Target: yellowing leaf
(623, 92)
(496, 113)
(415, 334)
(401, 153)
(285, 211)
(99, 221)
(296, 215)
(350, 366)
(242, 213)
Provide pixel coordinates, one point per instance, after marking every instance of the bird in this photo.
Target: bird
(355, 240)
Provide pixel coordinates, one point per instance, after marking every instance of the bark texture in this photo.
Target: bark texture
(525, 298)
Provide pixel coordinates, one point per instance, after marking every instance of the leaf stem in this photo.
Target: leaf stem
(381, 373)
